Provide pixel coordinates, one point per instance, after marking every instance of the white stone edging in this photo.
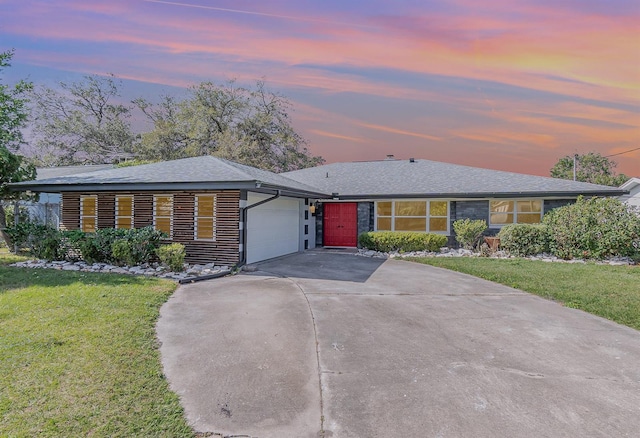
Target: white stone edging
(147, 270)
(450, 252)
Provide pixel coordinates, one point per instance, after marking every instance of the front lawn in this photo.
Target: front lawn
(79, 356)
(612, 292)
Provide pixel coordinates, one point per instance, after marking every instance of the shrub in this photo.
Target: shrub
(70, 245)
(139, 247)
(121, 253)
(135, 246)
(172, 256)
(387, 241)
(594, 228)
(468, 232)
(89, 250)
(41, 241)
(524, 239)
(144, 243)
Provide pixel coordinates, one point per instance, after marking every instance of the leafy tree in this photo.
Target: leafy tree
(250, 126)
(82, 123)
(591, 167)
(13, 116)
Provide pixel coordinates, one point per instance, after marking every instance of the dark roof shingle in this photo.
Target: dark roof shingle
(432, 178)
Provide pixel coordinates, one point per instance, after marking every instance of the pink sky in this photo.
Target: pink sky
(511, 85)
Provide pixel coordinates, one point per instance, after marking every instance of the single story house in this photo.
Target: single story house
(230, 213)
(47, 209)
(633, 187)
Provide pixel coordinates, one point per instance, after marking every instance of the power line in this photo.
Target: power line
(620, 153)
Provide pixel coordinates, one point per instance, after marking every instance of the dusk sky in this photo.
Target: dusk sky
(504, 84)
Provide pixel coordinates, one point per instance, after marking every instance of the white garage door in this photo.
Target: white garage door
(273, 228)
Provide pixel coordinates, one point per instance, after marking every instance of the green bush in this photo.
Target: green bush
(524, 239)
(89, 250)
(594, 228)
(121, 253)
(41, 241)
(139, 248)
(404, 241)
(468, 232)
(136, 246)
(71, 242)
(103, 240)
(172, 256)
(144, 243)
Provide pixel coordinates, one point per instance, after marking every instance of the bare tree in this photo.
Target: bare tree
(82, 123)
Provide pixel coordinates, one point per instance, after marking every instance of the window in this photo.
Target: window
(88, 213)
(205, 217)
(424, 216)
(163, 213)
(503, 212)
(124, 212)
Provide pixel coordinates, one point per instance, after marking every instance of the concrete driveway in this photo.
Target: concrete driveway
(323, 344)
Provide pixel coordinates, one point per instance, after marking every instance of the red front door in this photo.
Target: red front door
(340, 224)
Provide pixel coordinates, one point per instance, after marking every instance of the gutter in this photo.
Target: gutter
(485, 195)
(244, 216)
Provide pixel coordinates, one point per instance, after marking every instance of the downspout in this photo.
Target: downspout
(244, 216)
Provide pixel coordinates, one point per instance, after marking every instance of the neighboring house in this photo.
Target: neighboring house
(633, 187)
(229, 213)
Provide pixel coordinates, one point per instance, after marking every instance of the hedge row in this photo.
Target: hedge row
(593, 228)
(387, 241)
(108, 245)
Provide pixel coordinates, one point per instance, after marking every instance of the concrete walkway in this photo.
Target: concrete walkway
(333, 345)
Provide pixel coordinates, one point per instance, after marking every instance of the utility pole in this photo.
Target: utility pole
(575, 160)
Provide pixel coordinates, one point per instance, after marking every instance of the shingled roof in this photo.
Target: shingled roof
(355, 180)
(424, 178)
(197, 173)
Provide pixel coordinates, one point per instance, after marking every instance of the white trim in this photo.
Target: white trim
(427, 217)
(515, 210)
(118, 197)
(196, 216)
(82, 216)
(170, 217)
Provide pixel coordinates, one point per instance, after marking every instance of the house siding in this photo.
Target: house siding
(224, 250)
(319, 224)
(70, 211)
(550, 204)
(474, 210)
(366, 218)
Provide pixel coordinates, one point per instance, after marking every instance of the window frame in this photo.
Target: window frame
(427, 217)
(514, 212)
(83, 217)
(155, 215)
(117, 210)
(197, 217)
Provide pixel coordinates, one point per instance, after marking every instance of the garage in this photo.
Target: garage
(273, 228)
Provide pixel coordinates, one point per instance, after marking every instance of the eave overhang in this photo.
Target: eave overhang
(484, 195)
(255, 186)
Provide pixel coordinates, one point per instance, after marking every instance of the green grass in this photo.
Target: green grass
(79, 356)
(612, 292)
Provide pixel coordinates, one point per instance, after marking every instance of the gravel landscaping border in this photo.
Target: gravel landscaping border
(191, 272)
(450, 252)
